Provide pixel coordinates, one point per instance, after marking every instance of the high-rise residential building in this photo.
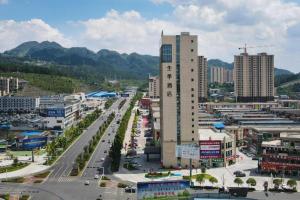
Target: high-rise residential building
(221, 75)
(8, 85)
(202, 79)
(153, 89)
(179, 74)
(254, 77)
(13, 84)
(4, 86)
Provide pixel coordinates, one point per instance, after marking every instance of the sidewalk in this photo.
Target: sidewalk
(33, 168)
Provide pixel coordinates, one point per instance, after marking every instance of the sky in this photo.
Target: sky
(127, 26)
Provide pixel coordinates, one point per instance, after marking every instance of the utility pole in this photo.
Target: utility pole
(190, 172)
(32, 156)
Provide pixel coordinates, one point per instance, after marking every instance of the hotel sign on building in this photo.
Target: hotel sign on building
(210, 149)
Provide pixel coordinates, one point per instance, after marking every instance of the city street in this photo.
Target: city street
(60, 185)
(63, 166)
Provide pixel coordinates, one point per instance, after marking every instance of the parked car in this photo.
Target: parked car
(86, 183)
(130, 190)
(240, 174)
(96, 176)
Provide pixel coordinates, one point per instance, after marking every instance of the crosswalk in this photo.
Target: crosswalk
(64, 179)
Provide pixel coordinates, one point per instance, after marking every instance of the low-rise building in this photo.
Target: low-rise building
(282, 156)
(227, 142)
(255, 135)
(62, 115)
(19, 104)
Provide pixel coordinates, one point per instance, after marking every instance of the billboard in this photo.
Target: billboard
(55, 112)
(32, 143)
(187, 151)
(161, 188)
(210, 149)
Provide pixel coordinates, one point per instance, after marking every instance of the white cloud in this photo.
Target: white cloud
(12, 33)
(125, 32)
(3, 1)
(222, 26)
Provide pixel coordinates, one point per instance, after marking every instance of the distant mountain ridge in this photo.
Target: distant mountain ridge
(109, 62)
(104, 62)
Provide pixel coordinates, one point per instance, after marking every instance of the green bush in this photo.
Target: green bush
(105, 178)
(102, 184)
(122, 185)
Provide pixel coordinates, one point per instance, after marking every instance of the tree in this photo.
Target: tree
(277, 182)
(251, 181)
(213, 180)
(292, 183)
(200, 178)
(16, 161)
(238, 181)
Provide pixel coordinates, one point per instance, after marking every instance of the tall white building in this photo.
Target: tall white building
(179, 72)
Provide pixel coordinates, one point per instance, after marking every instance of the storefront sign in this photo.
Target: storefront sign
(210, 149)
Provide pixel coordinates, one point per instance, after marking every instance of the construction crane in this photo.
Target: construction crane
(246, 47)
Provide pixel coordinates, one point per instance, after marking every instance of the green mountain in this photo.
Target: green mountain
(103, 63)
(84, 64)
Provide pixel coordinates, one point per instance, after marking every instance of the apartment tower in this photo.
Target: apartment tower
(254, 77)
(179, 74)
(202, 86)
(220, 75)
(153, 90)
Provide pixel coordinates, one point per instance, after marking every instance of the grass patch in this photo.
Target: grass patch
(122, 185)
(37, 181)
(105, 178)
(42, 175)
(19, 153)
(12, 168)
(24, 197)
(14, 180)
(205, 176)
(157, 174)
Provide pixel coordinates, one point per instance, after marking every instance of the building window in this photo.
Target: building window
(166, 53)
(193, 125)
(192, 139)
(169, 76)
(192, 50)
(192, 119)
(192, 70)
(192, 41)
(192, 79)
(169, 93)
(169, 85)
(192, 89)
(193, 113)
(169, 68)
(192, 95)
(192, 60)
(192, 107)
(192, 101)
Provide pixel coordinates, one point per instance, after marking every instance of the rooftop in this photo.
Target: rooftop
(211, 134)
(295, 135)
(272, 143)
(282, 128)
